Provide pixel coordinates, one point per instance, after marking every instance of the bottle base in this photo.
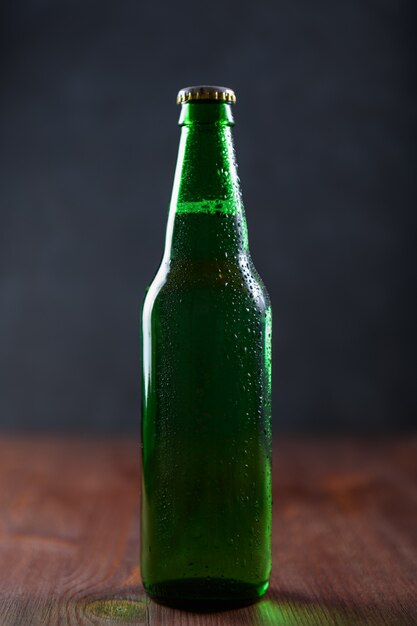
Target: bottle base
(205, 595)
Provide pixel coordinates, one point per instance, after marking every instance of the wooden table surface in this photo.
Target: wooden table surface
(344, 538)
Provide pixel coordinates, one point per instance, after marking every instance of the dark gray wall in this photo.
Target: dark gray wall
(326, 132)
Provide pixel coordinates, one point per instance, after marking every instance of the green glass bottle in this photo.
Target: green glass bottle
(206, 416)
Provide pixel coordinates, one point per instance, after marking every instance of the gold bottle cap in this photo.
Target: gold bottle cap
(206, 92)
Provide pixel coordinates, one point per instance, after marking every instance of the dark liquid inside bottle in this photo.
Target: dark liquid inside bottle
(206, 507)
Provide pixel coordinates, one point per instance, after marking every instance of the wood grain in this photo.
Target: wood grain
(344, 542)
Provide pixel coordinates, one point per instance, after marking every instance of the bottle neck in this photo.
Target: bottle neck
(206, 212)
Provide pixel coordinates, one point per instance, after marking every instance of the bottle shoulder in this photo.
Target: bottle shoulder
(228, 277)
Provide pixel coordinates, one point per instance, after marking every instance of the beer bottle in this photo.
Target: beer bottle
(206, 338)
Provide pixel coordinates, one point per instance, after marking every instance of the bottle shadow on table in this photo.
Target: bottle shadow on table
(134, 606)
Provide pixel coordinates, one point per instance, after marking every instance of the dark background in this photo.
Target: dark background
(326, 137)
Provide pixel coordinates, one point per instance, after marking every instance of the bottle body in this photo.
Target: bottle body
(206, 433)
